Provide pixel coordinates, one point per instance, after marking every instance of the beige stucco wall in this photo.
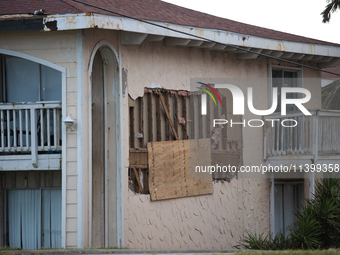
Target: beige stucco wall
(202, 222)
(208, 222)
(212, 221)
(58, 48)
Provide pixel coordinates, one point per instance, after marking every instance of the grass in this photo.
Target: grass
(8, 248)
(290, 252)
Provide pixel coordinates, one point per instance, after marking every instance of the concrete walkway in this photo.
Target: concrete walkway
(115, 251)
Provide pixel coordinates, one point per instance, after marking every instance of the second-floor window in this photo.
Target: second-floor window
(285, 78)
(27, 81)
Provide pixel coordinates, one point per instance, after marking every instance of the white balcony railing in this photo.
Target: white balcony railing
(30, 128)
(316, 134)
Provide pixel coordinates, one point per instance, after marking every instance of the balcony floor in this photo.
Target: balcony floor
(24, 162)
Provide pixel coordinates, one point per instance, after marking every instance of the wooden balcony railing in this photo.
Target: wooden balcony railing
(30, 128)
(315, 134)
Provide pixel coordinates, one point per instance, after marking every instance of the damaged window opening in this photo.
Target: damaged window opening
(170, 115)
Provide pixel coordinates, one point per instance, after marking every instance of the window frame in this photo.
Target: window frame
(3, 81)
(298, 70)
(299, 197)
(5, 212)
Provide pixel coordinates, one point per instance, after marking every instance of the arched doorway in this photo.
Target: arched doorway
(98, 153)
(104, 148)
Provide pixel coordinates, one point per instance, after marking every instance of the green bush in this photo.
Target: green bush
(258, 242)
(317, 224)
(306, 233)
(296, 252)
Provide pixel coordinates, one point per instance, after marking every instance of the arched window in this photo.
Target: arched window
(27, 81)
(30, 92)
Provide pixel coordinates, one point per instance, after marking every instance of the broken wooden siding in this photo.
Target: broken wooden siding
(166, 115)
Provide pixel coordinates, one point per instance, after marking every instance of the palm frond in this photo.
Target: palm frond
(331, 7)
(330, 96)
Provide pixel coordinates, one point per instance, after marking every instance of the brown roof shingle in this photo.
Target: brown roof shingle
(335, 69)
(154, 10)
(28, 6)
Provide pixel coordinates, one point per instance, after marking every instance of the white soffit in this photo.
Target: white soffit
(135, 32)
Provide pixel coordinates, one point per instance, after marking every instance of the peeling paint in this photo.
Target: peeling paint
(154, 85)
(68, 54)
(124, 80)
(199, 32)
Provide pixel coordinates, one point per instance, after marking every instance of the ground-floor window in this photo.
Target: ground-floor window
(34, 218)
(288, 198)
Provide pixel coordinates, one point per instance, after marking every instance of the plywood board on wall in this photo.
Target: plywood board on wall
(170, 173)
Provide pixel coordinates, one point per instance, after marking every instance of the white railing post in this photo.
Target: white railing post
(42, 133)
(27, 130)
(20, 129)
(55, 128)
(34, 138)
(14, 130)
(48, 130)
(2, 131)
(315, 152)
(8, 131)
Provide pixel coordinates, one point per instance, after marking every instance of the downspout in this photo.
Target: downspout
(272, 179)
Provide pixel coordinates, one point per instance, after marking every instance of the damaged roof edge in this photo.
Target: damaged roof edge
(92, 20)
(17, 24)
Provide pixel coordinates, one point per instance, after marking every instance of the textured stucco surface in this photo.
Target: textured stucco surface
(202, 222)
(212, 221)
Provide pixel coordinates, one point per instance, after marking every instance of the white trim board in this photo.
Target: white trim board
(91, 20)
(80, 138)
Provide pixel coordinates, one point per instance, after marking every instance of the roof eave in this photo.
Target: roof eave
(18, 22)
(135, 32)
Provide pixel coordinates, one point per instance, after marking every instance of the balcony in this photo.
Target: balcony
(30, 137)
(314, 138)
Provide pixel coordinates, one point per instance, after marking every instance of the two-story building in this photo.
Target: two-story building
(92, 103)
